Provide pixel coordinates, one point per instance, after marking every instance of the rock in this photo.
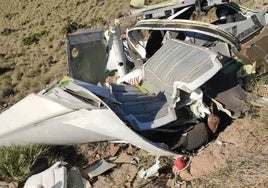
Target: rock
(113, 149)
(123, 158)
(13, 185)
(4, 184)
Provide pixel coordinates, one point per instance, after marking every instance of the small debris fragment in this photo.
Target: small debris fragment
(76, 180)
(222, 143)
(150, 172)
(99, 168)
(246, 70)
(181, 163)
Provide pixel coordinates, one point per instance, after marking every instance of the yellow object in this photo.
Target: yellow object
(246, 70)
(142, 89)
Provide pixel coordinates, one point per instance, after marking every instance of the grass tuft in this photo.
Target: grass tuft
(17, 161)
(7, 31)
(34, 37)
(71, 27)
(254, 84)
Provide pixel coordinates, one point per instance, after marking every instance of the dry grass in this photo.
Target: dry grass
(32, 52)
(250, 171)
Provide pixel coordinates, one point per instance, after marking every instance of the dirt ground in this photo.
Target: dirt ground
(237, 157)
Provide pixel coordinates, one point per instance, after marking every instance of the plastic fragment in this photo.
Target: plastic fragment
(150, 172)
(99, 168)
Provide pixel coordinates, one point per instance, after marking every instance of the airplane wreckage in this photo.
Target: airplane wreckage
(176, 83)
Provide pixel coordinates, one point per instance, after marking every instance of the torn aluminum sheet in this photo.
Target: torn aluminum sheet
(229, 93)
(63, 116)
(250, 23)
(99, 168)
(116, 58)
(55, 176)
(75, 179)
(160, 77)
(188, 27)
(238, 22)
(71, 113)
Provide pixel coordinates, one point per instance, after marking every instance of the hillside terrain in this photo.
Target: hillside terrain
(33, 54)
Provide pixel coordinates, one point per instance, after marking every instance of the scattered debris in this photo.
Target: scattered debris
(150, 172)
(55, 176)
(165, 95)
(181, 163)
(75, 179)
(246, 70)
(99, 168)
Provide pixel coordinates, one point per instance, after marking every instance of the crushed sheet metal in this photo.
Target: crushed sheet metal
(99, 168)
(186, 25)
(244, 29)
(221, 108)
(229, 93)
(55, 176)
(75, 179)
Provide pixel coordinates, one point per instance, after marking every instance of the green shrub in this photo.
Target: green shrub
(7, 31)
(16, 161)
(33, 38)
(70, 27)
(97, 21)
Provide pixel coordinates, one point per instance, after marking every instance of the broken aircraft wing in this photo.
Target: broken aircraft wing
(60, 117)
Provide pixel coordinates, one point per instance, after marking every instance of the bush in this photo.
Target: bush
(70, 27)
(16, 161)
(33, 38)
(7, 31)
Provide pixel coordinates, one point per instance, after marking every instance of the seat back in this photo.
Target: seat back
(87, 56)
(177, 65)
